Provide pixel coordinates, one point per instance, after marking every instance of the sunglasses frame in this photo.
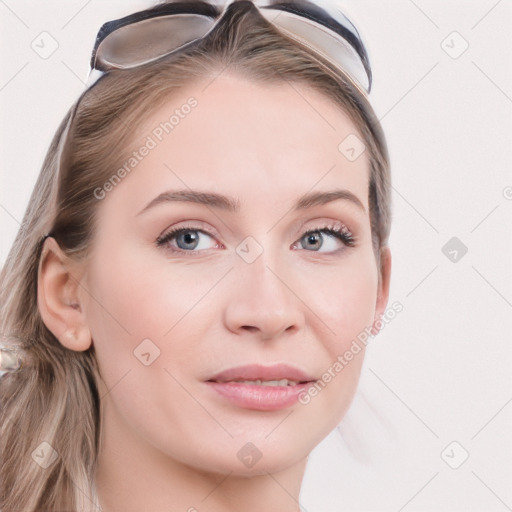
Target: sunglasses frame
(313, 19)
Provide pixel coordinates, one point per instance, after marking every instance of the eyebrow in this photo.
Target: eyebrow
(232, 205)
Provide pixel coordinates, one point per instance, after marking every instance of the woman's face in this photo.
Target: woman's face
(245, 172)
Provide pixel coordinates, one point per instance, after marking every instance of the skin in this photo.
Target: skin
(167, 441)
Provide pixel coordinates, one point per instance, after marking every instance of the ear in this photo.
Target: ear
(383, 291)
(58, 297)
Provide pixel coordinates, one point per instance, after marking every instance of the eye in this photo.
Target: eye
(327, 239)
(185, 239)
(191, 240)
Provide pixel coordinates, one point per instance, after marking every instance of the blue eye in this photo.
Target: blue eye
(190, 240)
(326, 239)
(186, 239)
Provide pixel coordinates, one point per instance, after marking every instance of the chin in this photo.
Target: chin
(245, 459)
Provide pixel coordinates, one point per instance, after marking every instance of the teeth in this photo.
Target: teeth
(282, 382)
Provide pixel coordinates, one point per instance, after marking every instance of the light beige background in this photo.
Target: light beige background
(440, 372)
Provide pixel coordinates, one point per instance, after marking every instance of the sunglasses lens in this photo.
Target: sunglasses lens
(321, 40)
(147, 40)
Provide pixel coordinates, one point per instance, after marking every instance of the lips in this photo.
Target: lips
(263, 373)
(262, 388)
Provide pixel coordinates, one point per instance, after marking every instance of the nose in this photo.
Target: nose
(262, 301)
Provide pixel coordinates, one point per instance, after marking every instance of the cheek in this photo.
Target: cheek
(143, 296)
(344, 299)
(135, 298)
(344, 303)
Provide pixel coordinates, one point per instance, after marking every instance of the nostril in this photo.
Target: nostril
(250, 328)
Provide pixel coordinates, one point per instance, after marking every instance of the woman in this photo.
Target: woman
(206, 241)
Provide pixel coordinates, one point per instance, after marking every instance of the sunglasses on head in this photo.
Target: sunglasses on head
(149, 35)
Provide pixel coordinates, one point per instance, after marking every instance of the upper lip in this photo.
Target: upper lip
(259, 372)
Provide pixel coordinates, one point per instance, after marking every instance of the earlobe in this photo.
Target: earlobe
(383, 291)
(58, 297)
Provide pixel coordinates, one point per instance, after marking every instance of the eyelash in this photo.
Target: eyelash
(338, 231)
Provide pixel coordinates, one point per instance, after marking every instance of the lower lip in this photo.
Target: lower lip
(260, 398)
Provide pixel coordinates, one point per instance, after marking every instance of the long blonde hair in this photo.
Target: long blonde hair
(54, 399)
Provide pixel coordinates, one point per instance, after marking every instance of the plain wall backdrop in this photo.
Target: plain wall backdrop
(431, 425)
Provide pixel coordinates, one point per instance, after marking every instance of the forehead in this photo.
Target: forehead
(250, 140)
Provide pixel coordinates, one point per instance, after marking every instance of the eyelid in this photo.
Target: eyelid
(193, 225)
(324, 223)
